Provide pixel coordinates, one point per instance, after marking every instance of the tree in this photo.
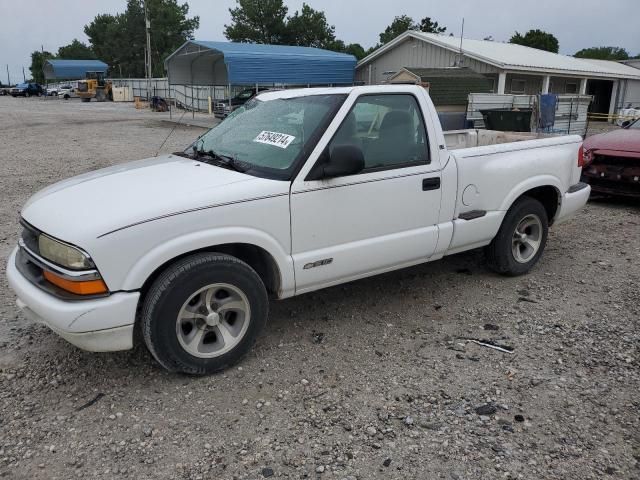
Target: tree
(309, 28)
(37, 63)
(536, 39)
(120, 40)
(257, 21)
(603, 53)
(426, 25)
(102, 33)
(403, 23)
(76, 50)
(356, 50)
(399, 25)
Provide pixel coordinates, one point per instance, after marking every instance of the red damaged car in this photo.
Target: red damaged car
(612, 161)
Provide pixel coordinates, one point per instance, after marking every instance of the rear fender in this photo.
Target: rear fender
(529, 184)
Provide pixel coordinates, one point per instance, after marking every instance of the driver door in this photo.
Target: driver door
(382, 218)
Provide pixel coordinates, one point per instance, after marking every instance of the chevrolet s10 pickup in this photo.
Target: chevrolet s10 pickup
(295, 191)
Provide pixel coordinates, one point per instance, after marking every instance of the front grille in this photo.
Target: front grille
(614, 187)
(616, 161)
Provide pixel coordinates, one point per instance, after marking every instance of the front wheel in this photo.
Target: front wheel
(204, 313)
(521, 239)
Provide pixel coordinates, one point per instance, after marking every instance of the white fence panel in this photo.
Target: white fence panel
(570, 117)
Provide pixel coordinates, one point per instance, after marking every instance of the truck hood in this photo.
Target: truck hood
(93, 204)
(622, 140)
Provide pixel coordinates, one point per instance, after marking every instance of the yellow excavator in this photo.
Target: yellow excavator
(95, 86)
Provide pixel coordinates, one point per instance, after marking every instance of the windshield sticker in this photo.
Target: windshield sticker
(276, 139)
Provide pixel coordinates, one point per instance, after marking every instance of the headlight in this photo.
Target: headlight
(63, 254)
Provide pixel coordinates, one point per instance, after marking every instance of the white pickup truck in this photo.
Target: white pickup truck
(295, 191)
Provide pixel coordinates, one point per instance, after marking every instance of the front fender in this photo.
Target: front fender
(167, 251)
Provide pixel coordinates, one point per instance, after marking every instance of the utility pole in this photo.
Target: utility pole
(8, 78)
(24, 77)
(45, 81)
(461, 37)
(147, 24)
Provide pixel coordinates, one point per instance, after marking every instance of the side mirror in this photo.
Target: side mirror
(342, 161)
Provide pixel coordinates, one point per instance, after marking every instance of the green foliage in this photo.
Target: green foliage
(356, 50)
(266, 21)
(536, 39)
(399, 25)
(403, 23)
(257, 21)
(76, 50)
(120, 40)
(309, 28)
(37, 62)
(603, 53)
(426, 25)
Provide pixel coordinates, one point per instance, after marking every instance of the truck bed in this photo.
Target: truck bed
(457, 139)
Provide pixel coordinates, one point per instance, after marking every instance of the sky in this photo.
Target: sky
(29, 25)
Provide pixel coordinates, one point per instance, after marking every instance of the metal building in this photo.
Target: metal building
(72, 69)
(513, 68)
(225, 63)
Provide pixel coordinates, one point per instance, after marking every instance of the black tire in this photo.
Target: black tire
(501, 254)
(175, 286)
(27, 94)
(86, 99)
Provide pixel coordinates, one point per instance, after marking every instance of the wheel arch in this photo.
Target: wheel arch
(547, 190)
(255, 256)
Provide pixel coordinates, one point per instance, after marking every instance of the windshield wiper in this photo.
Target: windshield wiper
(224, 161)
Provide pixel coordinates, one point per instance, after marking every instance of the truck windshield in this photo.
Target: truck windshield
(271, 135)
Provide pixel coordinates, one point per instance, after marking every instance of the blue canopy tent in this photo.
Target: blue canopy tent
(224, 63)
(72, 69)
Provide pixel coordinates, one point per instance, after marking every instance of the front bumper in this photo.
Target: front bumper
(98, 325)
(573, 200)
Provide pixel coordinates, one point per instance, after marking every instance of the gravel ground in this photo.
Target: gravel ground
(373, 379)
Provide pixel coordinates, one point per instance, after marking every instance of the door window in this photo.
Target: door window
(389, 129)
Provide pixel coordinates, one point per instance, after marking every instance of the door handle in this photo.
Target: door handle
(430, 183)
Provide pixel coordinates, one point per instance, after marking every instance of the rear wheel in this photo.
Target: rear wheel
(204, 313)
(521, 239)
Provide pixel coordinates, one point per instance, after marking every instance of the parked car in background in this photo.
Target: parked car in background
(224, 108)
(66, 92)
(296, 191)
(52, 91)
(612, 161)
(27, 90)
(4, 91)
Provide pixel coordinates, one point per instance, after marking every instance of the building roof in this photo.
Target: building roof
(71, 69)
(614, 66)
(450, 86)
(250, 63)
(509, 56)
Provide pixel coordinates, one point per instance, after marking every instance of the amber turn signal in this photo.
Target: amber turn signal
(90, 287)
